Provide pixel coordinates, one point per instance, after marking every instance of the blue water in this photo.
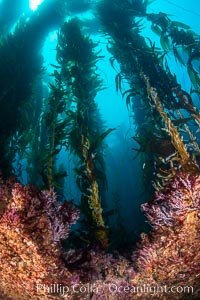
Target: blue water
(123, 173)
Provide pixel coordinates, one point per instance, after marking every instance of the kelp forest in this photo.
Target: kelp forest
(55, 244)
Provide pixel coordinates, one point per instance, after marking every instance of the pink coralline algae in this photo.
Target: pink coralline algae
(172, 204)
(165, 264)
(171, 253)
(32, 225)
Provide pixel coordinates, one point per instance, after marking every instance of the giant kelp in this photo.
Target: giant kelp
(145, 69)
(55, 123)
(18, 72)
(77, 58)
(162, 109)
(37, 129)
(167, 134)
(178, 38)
(21, 64)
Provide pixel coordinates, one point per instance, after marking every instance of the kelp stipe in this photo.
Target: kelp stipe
(55, 123)
(154, 91)
(20, 65)
(77, 57)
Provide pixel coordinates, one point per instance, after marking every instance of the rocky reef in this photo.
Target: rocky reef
(34, 265)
